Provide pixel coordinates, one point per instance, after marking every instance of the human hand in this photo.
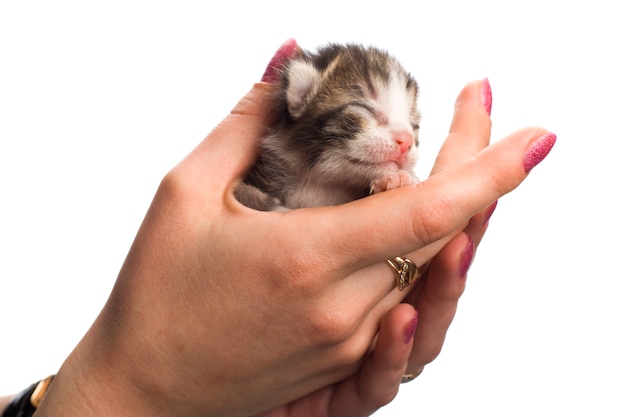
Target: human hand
(377, 381)
(222, 310)
(436, 294)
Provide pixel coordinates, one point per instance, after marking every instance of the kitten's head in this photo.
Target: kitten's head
(351, 109)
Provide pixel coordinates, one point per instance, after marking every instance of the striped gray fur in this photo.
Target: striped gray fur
(347, 125)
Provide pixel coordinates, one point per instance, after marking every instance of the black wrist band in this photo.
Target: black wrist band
(26, 402)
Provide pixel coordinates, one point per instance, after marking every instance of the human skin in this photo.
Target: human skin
(4, 401)
(220, 310)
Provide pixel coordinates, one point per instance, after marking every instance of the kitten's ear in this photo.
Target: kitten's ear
(303, 82)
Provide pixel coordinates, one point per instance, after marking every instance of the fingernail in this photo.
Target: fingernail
(466, 257)
(485, 95)
(538, 151)
(409, 332)
(490, 211)
(282, 55)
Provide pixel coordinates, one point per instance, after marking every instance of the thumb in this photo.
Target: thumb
(231, 147)
(471, 126)
(400, 221)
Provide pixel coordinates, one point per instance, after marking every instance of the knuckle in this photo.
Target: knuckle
(299, 272)
(383, 397)
(295, 275)
(174, 184)
(501, 184)
(333, 327)
(352, 350)
(430, 353)
(432, 220)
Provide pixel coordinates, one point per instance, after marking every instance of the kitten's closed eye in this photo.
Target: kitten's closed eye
(347, 123)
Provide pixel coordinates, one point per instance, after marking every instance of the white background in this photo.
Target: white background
(98, 102)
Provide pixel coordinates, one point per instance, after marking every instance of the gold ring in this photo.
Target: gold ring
(410, 377)
(406, 271)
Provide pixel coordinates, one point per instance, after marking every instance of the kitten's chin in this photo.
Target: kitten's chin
(390, 166)
(374, 170)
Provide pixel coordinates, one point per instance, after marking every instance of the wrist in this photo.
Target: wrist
(87, 385)
(26, 402)
(105, 377)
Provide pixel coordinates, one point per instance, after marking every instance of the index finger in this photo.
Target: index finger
(231, 147)
(471, 126)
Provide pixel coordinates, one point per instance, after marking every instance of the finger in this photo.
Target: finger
(469, 134)
(471, 126)
(253, 113)
(287, 50)
(377, 381)
(438, 298)
(444, 293)
(231, 148)
(477, 226)
(381, 226)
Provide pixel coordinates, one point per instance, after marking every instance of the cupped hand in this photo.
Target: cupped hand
(220, 310)
(437, 293)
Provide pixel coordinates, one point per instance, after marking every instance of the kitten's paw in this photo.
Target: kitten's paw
(393, 180)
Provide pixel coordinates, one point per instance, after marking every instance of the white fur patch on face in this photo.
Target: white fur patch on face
(378, 143)
(396, 103)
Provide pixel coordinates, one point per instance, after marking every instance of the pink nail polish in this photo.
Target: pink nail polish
(467, 257)
(538, 151)
(490, 211)
(485, 95)
(282, 55)
(409, 332)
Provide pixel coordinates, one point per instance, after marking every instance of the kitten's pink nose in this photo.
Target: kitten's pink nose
(404, 140)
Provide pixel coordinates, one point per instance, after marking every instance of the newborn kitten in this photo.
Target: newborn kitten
(347, 127)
